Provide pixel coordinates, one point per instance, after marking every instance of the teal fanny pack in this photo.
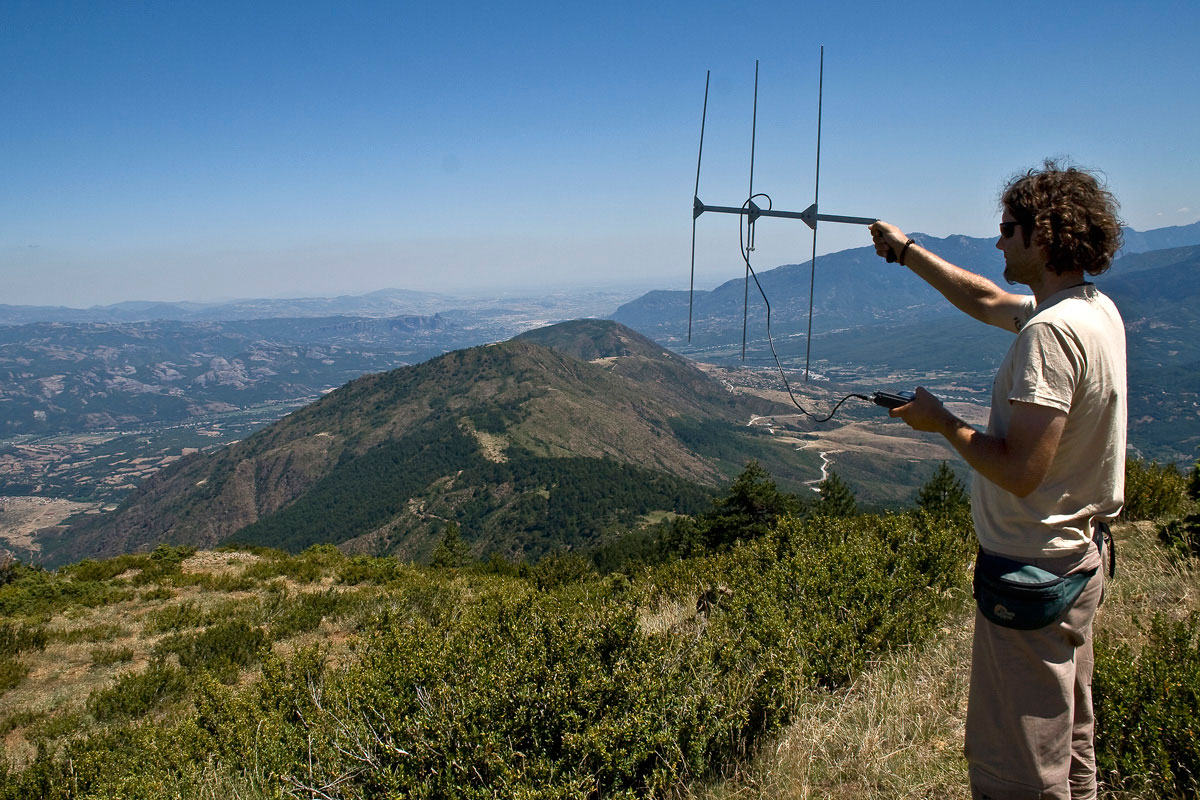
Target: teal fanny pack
(1017, 595)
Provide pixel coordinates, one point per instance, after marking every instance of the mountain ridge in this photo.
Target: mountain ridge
(517, 401)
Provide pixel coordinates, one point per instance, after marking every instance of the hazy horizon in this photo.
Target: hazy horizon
(303, 150)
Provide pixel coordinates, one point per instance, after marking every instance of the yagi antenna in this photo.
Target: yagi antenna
(751, 211)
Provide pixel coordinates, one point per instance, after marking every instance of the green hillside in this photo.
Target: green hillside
(764, 648)
(508, 441)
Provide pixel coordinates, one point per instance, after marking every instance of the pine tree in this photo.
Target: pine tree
(943, 494)
(837, 499)
(451, 551)
(747, 511)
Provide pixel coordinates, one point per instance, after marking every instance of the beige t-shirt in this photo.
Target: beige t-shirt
(1069, 355)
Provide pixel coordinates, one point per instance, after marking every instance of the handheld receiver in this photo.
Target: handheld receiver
(889, 400)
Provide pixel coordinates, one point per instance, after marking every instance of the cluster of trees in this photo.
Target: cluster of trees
(527, 504)
(753, 505)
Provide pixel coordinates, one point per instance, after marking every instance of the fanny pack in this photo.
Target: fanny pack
(1013, 594)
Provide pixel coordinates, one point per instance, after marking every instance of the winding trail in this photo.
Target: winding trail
(815, 484)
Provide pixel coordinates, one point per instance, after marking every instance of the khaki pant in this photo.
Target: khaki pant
(1029, 718)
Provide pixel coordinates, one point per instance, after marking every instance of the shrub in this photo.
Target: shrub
(561, 569)
(20, 719)
(107, 656)
(164, 561)
(173, 618)
(1148, 711)
(223, 649)
(486, 686)
(366, 569)
(16, 637)
(100, 632)
(299, 568)
(303, 613)
(1194, 481)
(157, 593)
(520, 692)
(1152, 491)
(12, 672)
(138, 693)
(34, 591)
(1182, 536)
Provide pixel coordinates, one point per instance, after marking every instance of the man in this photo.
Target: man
(1050, 469)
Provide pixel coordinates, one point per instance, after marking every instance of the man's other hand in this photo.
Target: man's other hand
(924, 413)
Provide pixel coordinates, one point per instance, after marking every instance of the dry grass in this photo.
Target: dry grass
(80, 657)
(895, 733)
(898, 731)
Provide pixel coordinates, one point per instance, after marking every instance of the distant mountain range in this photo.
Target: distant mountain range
(875, 322)
(469, 309)
(852, 288)
(532, 444)
(384, 303)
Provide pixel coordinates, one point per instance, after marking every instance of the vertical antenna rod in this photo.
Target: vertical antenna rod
(750, 219)
(696, 206)
(812, 270)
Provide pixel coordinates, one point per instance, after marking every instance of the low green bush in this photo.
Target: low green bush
(12, 672)
(1148, 711)
(223, 649)
(153, 567)
(1182, 536)
(234, 581)
(48, 727)
(33, 592)
(157, 593)
(107, 656)
(303, 613)
(16, 637)
(138, 693)
(175, 617)
(309, 566)
(368, 569)
(539, 693)
(20, 719)
(1153, 490)
(99, 632)
(561, 569)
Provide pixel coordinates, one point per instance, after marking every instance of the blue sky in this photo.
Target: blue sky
(213, 150)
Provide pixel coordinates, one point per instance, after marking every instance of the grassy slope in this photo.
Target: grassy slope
(897, 731)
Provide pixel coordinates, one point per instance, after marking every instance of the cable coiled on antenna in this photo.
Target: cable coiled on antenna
(744, 221)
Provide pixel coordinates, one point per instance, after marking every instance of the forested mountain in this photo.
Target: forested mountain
(526, 447)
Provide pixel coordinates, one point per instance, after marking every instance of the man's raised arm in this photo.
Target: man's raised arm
(973, 294)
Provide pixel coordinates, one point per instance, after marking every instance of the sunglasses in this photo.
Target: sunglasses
(1007, 229)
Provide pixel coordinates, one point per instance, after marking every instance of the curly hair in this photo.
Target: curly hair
(1070, 213)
